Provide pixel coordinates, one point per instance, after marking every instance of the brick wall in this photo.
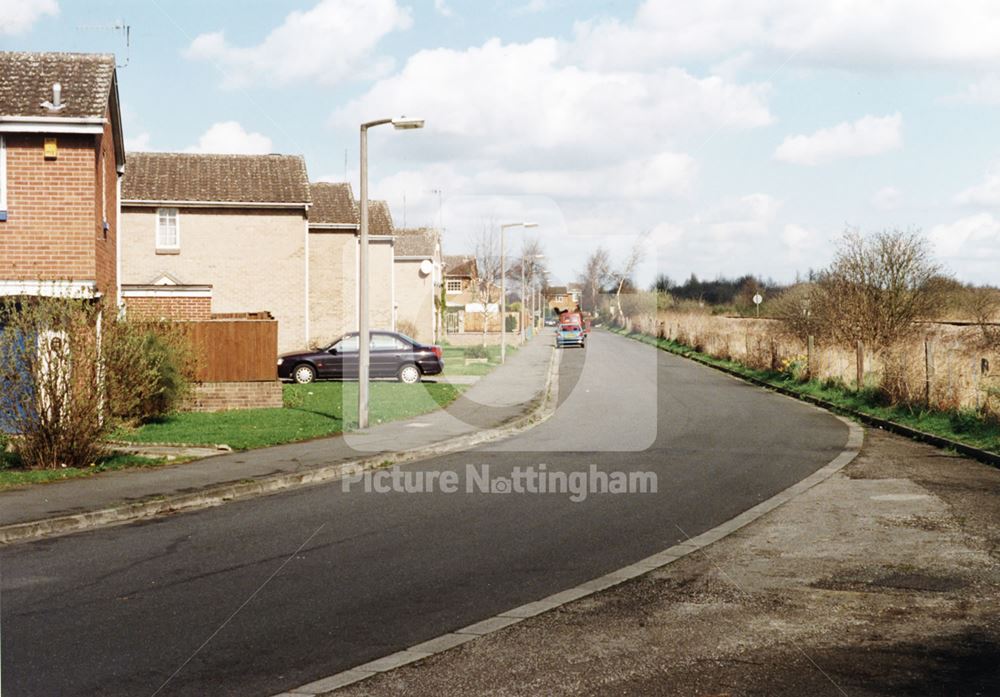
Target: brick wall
(174, 308)
(106, 207)
(221, 396)
(50, 226)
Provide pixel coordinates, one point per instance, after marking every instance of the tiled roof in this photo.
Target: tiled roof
(379, 218)
(333, 204)
(223, 178)
(26, 81)
(416, 242)
(459, 266)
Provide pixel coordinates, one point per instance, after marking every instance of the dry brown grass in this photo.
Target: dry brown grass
(958, 381)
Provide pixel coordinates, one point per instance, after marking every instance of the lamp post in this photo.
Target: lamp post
(364, 356)
(503, 288)
(523, 314)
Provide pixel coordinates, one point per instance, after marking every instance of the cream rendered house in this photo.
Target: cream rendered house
(417, 272)
(232, 226)
(334, 257)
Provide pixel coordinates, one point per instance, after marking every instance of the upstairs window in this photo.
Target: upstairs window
(168, 234)
(453, 286)
(3, 179)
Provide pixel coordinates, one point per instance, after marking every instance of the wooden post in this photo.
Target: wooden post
(928, 370)
(861, 365)
(810, 357)
(748, 349)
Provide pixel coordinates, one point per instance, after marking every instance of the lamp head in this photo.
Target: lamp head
(404, 123)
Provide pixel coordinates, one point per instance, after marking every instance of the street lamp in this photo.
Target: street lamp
(503, 289)
(364, 356)
(522, 315)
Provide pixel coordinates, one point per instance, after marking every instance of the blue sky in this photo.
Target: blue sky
(742, 136)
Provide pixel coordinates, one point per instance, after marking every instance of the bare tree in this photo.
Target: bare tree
(486, 284)
(532, 266)
(596, 274)
(622, 274)
(877, 286)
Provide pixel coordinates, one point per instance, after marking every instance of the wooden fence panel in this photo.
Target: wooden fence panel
(234, 350)
(474, 322)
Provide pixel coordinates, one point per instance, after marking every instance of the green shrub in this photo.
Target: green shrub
(149, 369)
(511, 323)
(476, 352)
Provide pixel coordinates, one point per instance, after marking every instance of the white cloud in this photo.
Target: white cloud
(985, 91)
(973, 243)
(332, 42)
(18, 16)
(887, 198)
(231, 138)
(870, 135)
(443, 9)
(854, 34)
(531, 7)
(534, 107)
(138, 143)
(985, 194)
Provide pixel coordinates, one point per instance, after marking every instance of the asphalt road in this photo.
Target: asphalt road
(259, 596)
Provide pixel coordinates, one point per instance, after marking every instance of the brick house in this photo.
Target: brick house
(61, 160)
(417, 272)
(334, 259)
(218, 234)
(563, 297)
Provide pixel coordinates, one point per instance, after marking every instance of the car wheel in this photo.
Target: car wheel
(304, 374)
(409, 374)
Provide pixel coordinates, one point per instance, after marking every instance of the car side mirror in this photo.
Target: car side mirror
(333, 351)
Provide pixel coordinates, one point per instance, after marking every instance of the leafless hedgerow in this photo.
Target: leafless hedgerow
(800, 311)
(984, 305)
(70, 372)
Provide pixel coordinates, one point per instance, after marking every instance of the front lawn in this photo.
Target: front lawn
(454, 360)
(311, 411)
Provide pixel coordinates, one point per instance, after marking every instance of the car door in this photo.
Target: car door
(344, 358)
(387, 353)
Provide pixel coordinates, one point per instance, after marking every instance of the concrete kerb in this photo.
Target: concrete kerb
(217, 495)
(656, 561)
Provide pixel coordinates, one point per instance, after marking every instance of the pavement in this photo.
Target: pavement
(265, 595)
(508, 392)
(882, 581)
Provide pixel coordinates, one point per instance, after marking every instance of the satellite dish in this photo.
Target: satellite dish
(426, 266)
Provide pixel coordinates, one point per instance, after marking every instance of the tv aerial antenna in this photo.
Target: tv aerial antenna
(121, 28)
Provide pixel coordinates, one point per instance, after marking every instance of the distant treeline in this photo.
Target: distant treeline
(735, 292)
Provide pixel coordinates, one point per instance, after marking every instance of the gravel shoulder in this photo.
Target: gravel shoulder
(883, 580)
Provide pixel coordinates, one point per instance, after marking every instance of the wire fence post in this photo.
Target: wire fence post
(810, 357)
(861, 365)
(928, 370)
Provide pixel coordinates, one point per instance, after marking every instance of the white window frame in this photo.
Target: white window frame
(3, 178)
(447, 285)
(177, 230)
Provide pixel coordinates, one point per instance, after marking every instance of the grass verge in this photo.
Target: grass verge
(963, 426)
(310, 411)
(12, 475)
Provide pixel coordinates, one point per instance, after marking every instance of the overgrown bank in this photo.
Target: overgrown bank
(966, 426)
